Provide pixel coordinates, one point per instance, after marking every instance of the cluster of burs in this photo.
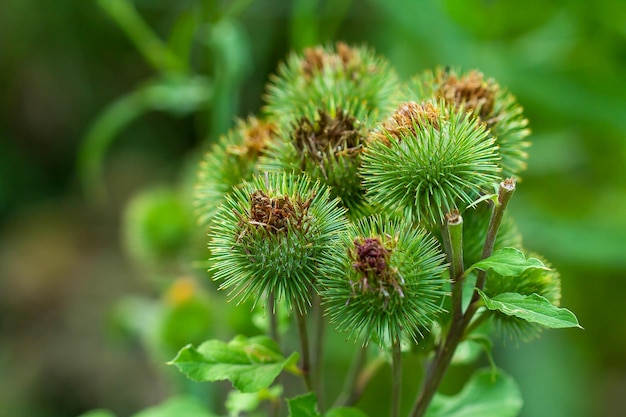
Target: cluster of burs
(341, 188)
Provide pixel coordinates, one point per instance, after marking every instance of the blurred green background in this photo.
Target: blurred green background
(63, 265)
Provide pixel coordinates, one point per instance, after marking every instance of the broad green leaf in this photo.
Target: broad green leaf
(486, 394)
(183, 406)
(507, 262)
(532, 308)
(306, 406)
(466, 352)
(98, 413)
(251, 364)
(303, 406)
(239, 402)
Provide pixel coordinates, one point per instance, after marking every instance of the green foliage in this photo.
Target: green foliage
(486, 394)
(532, 308)
(251, 364)
(306, 406)
(181, 406)
(509, 262)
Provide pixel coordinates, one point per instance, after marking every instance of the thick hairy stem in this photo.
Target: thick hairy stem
(459, 325)
(438, 368)
(396, 366)
(304, 346)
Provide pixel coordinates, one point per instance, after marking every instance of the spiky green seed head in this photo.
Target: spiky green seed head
(389, 282)
(274, 234)
(230, 161)
(326, 145)
(544, 282)
(496, 107)
(429, 159)
(331, 76)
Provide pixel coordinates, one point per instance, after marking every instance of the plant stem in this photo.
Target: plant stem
(396, 386)
(304, 346)
(318, 348)
(505, 192)
(453, 228)
(347, 397)
(459, 325)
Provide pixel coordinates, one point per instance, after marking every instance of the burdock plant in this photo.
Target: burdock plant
(378, 212)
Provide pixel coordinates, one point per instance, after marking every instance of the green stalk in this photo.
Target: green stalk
(443, 357)
(454, 231)
(396, 386)
(304, 346)
(318, 348)
(505, 192)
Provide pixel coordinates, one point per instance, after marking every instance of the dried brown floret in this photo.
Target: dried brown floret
(276, 214)
(470, 90)
(256, 135)
(328, 135)
(318, 58)
(409, 116)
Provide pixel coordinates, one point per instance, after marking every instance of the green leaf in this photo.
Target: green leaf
(303, 406)
(145, 39)
(176, 94)
(507, 262)
(182, 406)
(486, 394)
(251, 364)
(239, 402)
(306, 406)
(532, 308)
(98, 413)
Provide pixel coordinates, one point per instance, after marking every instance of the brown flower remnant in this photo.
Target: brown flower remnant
(271, 213)
(471, 90)
(316, 59)
(406, 119)
(327, 136)
(256, 135)
(278, 213)
(371, 260)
